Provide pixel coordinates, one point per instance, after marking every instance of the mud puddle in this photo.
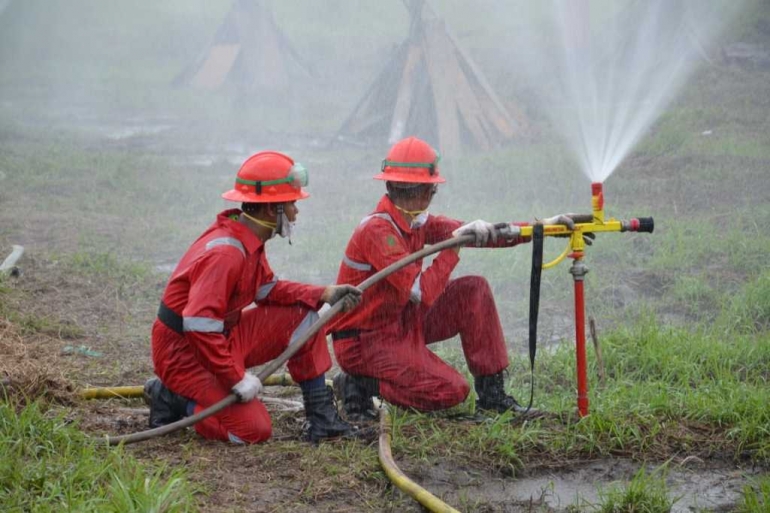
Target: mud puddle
(711, 487)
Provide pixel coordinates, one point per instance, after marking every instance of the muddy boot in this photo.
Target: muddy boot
(323, 421)
(492, 396)
(165, 406)
(355, 393)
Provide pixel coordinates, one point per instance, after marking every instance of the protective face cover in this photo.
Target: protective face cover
(285, 228)
(419, 217)
(420, 220)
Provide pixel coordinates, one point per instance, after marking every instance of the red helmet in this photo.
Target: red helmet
(411, 160)
(269, 177)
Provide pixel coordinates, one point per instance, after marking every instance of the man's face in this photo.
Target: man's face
(427, 193)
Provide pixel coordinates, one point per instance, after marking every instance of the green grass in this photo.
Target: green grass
(107, 265)
(756, 496)
(663, 386)
(32, 323)
(646, 493)
(734, 243)
(130, 279)
(749, 310)
(46, 464)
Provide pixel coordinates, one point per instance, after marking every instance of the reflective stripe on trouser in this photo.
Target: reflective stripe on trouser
(410, 374)
(262, 334)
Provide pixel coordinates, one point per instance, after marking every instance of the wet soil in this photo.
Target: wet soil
(694, 485)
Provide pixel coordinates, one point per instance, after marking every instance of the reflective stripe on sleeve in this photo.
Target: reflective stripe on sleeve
(358, 266)
(226, 241)
(305, 325)
(265, 289)
(415, 295)
(202, 325)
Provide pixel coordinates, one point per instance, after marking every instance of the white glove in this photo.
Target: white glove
(564, 219)
(567, 221)
(247, 388)
(482, 230)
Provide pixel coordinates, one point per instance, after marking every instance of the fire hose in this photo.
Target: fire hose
(274, 365)
(592, 223)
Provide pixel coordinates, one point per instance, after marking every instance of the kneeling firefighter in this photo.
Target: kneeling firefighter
(205, 338)
(382, 346)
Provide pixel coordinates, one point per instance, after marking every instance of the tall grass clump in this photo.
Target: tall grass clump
(46, 464)
(756, 497)
(646, 493)
(696, 376)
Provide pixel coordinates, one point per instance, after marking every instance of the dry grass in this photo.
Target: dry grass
(28, 368)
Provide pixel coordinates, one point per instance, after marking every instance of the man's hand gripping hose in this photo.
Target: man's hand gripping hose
(248, 388)
(350, 296)
(274, 365)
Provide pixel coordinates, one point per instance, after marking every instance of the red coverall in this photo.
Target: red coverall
(398, 316)
(224, 271)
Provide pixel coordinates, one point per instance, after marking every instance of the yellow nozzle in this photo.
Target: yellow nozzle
(589, 223)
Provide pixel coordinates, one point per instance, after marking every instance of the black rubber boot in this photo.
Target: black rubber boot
(355, 393)
(492, 395)
(323, 420)
(165, 406)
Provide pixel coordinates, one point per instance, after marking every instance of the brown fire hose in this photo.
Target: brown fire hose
(292, 349)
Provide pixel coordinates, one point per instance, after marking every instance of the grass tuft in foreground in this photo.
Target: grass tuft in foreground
(756, 497)
(646, 493)
(46, 464)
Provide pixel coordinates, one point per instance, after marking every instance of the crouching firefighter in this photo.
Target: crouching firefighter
(382, 346)
(205, 339)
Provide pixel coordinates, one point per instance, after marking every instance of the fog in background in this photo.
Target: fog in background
(105, 71)
(109, 66)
